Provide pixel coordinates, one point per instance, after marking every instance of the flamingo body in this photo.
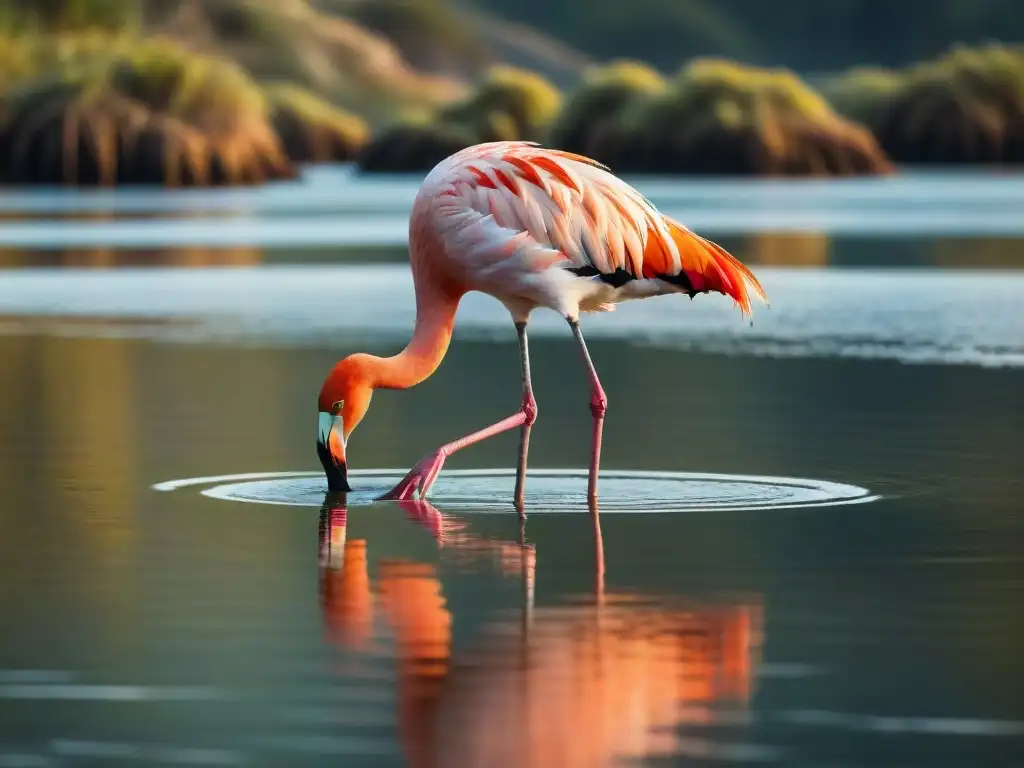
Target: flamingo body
(533, 227)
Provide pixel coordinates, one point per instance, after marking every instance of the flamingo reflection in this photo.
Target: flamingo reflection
(583, 684)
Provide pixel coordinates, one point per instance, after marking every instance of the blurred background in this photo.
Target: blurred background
(189, 92)
(204, 205)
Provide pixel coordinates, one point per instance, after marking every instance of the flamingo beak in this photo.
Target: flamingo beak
(330, 447)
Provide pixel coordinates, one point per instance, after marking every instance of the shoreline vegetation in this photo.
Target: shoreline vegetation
(230, 92)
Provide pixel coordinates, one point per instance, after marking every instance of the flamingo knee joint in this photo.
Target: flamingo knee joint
(530, 410)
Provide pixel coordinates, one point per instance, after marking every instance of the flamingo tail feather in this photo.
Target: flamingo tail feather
(706, 266)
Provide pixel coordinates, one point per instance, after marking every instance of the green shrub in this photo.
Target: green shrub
(592, 111)
(526, 99)
(330, 54)
(859, 93)
(146, 112)
(718, 117)
(310, 129)
(508, 105)
(413, 147)
(18, 17)
(966, 107)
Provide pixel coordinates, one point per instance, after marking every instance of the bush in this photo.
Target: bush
(413, 147)
(509, 104)
(723, 118)
(507, 96)
(604, 95)
(21, 16)
(291, 41)
(964, 108)
(147, 112)
(19, 58)
(859, 93)
(311, 130)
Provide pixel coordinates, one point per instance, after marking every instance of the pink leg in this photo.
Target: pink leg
(422, 476)
(530, 406)
(598, 407)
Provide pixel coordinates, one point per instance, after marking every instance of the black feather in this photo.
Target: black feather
(682, 280)
(616, 279)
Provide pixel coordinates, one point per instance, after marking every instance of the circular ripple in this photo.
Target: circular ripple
(547, 490)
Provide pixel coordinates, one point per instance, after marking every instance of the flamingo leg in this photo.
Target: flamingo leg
(598, 408)
(530, 406)
(425, 472)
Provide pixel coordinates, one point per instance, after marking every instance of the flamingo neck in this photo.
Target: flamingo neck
(435, 319)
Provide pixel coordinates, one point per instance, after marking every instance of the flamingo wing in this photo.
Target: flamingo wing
(549, 225)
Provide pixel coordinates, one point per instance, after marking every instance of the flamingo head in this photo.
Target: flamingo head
(343, 401)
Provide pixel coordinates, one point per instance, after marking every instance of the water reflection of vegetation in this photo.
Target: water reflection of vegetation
(997, 252)
(116, 257)
(81, 399)
(18, 470)
(785, 249)
(796, 249)
(514, 694)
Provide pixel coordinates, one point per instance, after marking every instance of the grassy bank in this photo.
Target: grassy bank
(718, 117)
(101, 109)
(964, 108)
(239, 91)
(148, 113)
(310, 129)
(193, 93)
(715, 117)
(506, 104)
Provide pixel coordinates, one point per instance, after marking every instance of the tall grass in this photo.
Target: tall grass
(107, 110)
(311, 130)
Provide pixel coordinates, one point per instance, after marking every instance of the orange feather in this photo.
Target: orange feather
(707, 265)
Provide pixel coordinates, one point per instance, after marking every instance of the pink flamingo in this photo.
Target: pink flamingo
(533, 227)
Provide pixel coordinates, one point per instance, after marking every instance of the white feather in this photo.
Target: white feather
(517, 245)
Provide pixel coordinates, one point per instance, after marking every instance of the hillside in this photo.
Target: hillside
(459, 38)
(289, 40)
(804, 35)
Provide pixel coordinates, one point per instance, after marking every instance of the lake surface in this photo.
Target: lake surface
(808, 548)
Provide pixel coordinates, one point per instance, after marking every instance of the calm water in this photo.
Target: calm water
(808, 551)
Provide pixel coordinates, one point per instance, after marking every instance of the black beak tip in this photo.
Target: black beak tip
(337, 482)
(337, 474)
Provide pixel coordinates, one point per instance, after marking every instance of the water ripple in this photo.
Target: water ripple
(548, 490)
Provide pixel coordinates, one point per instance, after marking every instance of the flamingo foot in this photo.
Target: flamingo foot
(419, 478)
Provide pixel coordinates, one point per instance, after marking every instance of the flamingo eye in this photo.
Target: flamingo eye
(338, 405)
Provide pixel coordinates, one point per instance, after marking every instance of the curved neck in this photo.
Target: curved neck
(435, 318)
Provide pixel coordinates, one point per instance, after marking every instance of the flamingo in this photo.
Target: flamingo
(532, 227)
